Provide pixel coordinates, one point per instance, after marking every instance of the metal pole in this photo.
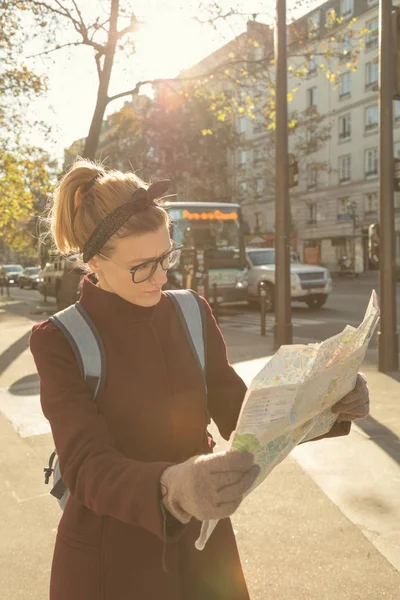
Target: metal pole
(215, 304)
(388, 340)
(263, 294)
(283, 308)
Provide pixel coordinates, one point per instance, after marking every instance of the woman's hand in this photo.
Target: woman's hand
(207, 487)
(356, 404)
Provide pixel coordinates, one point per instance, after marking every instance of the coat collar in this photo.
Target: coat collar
(104, 305)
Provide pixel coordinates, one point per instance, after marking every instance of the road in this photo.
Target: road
(346, 306)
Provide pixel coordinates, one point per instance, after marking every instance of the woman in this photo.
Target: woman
(138, 462)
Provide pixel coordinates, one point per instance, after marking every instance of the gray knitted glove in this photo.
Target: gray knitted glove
(210, 486)
(356, 404)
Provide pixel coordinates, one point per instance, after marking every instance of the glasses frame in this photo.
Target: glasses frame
(156, 261)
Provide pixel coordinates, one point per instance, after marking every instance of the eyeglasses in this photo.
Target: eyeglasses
(146, 270)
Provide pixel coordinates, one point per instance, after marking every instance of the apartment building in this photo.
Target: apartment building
(333, 207)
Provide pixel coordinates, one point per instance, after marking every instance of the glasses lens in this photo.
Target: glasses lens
(148, 269)
(171, 260)
(144, 272)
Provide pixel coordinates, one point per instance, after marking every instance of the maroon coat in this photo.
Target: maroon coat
(151, 414)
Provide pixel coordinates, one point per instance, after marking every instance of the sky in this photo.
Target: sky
(168, 40)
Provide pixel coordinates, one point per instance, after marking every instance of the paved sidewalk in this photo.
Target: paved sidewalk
(318, 528)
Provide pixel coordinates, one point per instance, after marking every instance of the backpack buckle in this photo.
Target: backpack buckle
(48, 471)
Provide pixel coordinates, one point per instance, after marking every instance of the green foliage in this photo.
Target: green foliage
(24, 171)
(25, 181)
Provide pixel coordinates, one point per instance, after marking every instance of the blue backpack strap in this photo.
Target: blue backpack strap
(191, 312)
(86, 343)
(88, 348)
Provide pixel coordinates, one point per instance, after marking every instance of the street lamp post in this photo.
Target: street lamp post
(388, 339)
(352, 207)
(283, 308)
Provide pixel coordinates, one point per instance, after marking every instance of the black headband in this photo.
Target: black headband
(140, 200)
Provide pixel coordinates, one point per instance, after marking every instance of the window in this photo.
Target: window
(342, 208)
(346, 8)
(260, 187)
(344, 168)
(312, 139)
(345, 47)
(311, 66)
(330, 18)
(371, 73)
(371, 118)
(371, 204)
(312, 213)
(396, 152)
(242, 188)
(257, 155)
(259, 123)
(396, 111)
(312, 97)
(373, 2)
(344, 127)
(372, 38)
(241, 125)
(345, 85)
(371, 162)
(241, 158)
(311, 178)
(313, 23)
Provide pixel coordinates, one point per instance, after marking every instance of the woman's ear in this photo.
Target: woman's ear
(94, 264)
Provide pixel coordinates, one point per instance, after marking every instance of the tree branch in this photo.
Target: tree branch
(98, 65)
(45, 52)
(49, 8)
(79, 15)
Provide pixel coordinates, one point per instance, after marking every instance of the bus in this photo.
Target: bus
(212, 237)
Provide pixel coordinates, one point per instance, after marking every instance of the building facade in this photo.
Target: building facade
(334, 205)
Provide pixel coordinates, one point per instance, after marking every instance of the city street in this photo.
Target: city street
(345, 306)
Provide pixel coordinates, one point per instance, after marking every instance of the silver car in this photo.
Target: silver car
(310, 284)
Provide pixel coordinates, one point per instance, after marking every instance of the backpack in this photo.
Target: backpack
(88, 348)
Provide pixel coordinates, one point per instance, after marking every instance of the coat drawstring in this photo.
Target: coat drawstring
(164, 548)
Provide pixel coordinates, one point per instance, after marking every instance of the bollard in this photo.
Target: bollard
(263, 295)
(8, 288)
(215, 302)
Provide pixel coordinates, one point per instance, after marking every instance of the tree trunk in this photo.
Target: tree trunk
(92, 140)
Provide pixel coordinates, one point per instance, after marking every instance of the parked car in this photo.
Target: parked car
(310, 284)
(60, 279)
(29, 278)
(10, 274)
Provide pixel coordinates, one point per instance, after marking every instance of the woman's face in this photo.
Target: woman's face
(113, 274)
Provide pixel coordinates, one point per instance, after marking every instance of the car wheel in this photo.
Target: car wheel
(270, 296)
(317, 302)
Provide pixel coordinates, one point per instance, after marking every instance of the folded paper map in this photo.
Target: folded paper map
(290, 399)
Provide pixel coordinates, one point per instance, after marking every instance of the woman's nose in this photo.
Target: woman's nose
(160, 276)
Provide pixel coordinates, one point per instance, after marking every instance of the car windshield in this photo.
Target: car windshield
(13, 268)
(32, 271)
(267, 257)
